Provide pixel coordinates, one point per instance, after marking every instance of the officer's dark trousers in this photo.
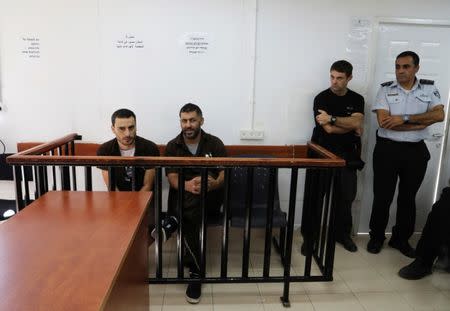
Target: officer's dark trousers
(396, 161)
(436, 232)
(344, 191)
(192, 220)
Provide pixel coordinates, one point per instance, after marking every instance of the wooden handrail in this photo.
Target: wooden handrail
(46, 147)
(285, 156)
(172, 161)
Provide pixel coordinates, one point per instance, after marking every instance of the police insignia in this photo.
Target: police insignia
(436, 93)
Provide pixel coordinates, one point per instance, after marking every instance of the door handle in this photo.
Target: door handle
(437, 135)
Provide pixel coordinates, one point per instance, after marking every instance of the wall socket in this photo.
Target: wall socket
(252, 134)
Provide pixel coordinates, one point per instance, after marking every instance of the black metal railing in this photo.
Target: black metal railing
(321, 166)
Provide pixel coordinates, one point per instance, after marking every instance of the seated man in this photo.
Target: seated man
(127, 143)
(435, 234)
(194, 142)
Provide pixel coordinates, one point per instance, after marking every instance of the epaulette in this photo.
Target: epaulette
(387, 83)
(425, 81)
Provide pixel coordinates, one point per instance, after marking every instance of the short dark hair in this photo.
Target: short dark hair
(189, 107)
(122, 114)
(414, 56)
(342, 66)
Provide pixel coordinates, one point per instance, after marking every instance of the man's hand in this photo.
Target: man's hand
(194, 185)
(390, 122)
(323, 117)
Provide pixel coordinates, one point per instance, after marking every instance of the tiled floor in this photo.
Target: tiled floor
(362, 281)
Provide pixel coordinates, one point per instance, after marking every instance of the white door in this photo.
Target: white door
(432, 45)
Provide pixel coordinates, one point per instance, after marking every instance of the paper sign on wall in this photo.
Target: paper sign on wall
(129, 42)
(195, 43)
(31, 47)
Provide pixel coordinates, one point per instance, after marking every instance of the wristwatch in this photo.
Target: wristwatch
(405, 118)
(332, 120)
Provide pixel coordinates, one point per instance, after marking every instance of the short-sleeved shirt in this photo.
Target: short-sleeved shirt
(338, 106)
(421, 98)
(209, 146)
(143, 148)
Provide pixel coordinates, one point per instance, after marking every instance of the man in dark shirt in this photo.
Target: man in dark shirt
(194, 142)
(127, 143)
(338, 115)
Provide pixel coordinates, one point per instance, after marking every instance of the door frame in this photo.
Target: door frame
(377, 22)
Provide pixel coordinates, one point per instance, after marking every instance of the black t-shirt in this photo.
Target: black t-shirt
(209, 146)
(143, 148)
(338, 106)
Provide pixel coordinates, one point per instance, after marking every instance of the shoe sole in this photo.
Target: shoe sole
(192, 300)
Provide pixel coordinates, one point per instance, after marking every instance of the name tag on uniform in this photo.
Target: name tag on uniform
(392, 94)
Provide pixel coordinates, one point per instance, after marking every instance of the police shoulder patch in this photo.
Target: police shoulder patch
(387, 83)
(425, 81)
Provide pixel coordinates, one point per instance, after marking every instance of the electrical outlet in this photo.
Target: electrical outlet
(252, 134)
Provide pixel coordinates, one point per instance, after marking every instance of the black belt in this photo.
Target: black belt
(390, 141)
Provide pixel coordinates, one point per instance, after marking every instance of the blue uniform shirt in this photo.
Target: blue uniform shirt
(393, 98)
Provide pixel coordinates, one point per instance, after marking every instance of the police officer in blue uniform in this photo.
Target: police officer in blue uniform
(405, 108)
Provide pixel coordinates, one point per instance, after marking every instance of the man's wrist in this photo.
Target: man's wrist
(332, 120)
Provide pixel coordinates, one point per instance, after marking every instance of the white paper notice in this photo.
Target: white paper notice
(196, 43)
(129, 42)
(31, 47)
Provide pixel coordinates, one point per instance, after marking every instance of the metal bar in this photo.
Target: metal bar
(248, 220)
(259, 279)
(133, 178)
(334, 194)
(180, 235)
(45, 178)
(269, 222)
(74, 172)
(111, 179)
(88, 178)
(324, 208)
(289, 236)
(308, 239)
(226, 225)
(52, 152)
(36, 183)
(17, 170)
(39, 172)
(158, 203)
(203, 192)
(27, 187)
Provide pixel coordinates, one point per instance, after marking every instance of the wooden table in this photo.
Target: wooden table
(76, 251)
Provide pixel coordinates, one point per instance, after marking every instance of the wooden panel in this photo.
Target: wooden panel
(66, 250)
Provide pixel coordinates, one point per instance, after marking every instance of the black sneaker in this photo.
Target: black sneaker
(374, 246)
(348, 244)
(169, 226)
(194, 290)
(415, 270)
(403, 247)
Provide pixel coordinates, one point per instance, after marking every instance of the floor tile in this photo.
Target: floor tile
(335, 302)
(383, 301)
(426, 300)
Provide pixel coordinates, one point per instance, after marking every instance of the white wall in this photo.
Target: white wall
(81, 77)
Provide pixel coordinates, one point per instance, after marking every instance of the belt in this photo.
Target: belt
(390, 141)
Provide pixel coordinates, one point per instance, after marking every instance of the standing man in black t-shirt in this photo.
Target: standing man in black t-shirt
(194, 142)
(338, 115)
(127, 143)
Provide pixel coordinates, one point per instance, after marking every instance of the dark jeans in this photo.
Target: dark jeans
(436, 232)
(393, 161)
(192, 220)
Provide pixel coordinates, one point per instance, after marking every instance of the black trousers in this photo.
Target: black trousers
(396, 161)
(436, 232)
(345, 191)
(192, 220)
